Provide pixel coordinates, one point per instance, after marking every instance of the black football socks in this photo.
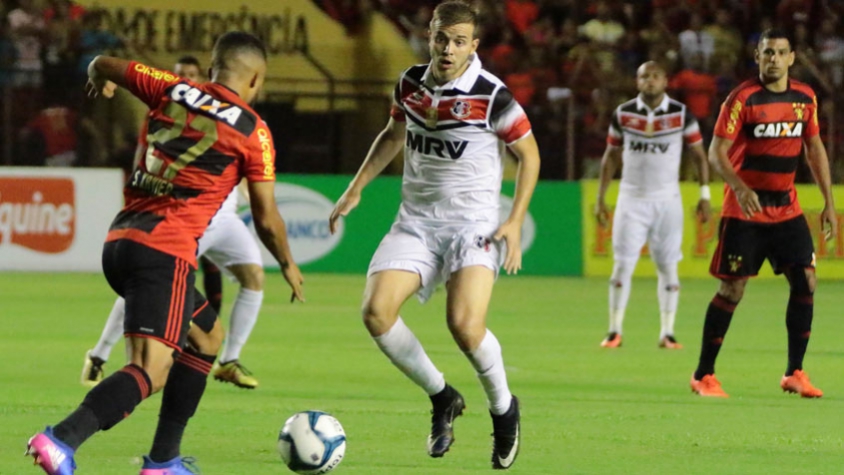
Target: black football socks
(182, 394)
(718, 317)
(108, 403)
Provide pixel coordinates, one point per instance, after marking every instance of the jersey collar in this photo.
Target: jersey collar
(663, 106)
(462, 83)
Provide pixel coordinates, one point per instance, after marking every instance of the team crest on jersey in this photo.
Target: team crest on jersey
(735, 262)
(482, 242)
(461, 110)
(799, 110)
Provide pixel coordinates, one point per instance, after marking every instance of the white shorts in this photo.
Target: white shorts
(227, 242)
(657, 223)
(436, 252)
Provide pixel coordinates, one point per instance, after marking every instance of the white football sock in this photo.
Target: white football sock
(489, 364)
(620, 283)
(245, 311)
(668, 293)
(405, 351)
(112, 331)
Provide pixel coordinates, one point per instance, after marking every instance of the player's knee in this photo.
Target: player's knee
(252, 277)
(622, 272)
(732, 290)
(802, 281)
(466, 329)
(378, 316)
(208, 343)
(158, 374)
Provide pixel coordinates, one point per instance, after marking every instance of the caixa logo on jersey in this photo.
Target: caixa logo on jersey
(528, 228)
(305, 213)
(37, 213)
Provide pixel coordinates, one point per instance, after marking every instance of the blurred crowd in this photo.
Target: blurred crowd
(45, 48)
(551, 51)
(568, 62)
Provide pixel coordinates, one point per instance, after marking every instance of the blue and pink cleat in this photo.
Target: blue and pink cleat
(53, 455)
(177, 466)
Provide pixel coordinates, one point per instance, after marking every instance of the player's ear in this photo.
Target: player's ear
(254, 81)
(756, 55)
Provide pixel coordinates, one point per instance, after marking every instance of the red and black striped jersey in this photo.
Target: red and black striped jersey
(198, 142)
(768, 129)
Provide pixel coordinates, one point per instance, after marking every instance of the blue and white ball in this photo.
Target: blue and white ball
(312, 443)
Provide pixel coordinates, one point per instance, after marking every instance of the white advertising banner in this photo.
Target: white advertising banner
(56, 219)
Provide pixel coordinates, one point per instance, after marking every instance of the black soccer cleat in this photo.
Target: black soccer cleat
(448, 405)
(505, 436)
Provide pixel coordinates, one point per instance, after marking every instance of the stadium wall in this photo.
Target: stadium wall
(700, 239)
(55, 219)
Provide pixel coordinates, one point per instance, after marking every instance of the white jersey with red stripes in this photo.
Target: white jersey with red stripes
(653, 145)
(454, 143)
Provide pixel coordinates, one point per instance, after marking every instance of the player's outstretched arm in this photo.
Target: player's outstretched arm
(819, 164)
(720, 161)
(383, 150)
(273, 233)
(610, 163)
(703, 206)
(105, 73)
(527, 152)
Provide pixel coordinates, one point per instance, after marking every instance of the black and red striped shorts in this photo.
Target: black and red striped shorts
(158, 289)
(743, 246)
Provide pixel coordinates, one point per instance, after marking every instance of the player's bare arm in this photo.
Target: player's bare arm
(610, 163)
(105, 73)
(719, 159)
(703, 206)
(384, 149)
(527, 152)
(819, 164)
(273, 233)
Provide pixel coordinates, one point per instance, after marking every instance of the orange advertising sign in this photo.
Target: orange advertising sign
(37, 213)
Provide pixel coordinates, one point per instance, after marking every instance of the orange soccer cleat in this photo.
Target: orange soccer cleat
(670, 343)
(799, 383)
(708, 386)
(613, 340)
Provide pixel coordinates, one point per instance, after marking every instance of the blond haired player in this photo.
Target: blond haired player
(453, 120)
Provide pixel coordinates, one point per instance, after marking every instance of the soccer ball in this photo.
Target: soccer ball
(312, 442)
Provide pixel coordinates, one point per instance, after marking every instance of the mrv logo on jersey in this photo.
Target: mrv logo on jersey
(648, 147)
(452, 149)
(778, 129)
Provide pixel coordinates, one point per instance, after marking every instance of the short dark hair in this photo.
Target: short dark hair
(455, 12)
(189, 61)
(235, 42)
(775, 34)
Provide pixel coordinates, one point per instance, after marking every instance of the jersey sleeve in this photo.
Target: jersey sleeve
(812, 125)
(731, 118)
(148, 84)
(259, 162)
(615, 135)
(397, 109)
(507, 118)
(691, 130)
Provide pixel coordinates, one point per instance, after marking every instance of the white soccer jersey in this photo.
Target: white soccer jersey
(653, 145)
(454, 143)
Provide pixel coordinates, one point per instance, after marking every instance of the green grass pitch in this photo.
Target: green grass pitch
(586, 410)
